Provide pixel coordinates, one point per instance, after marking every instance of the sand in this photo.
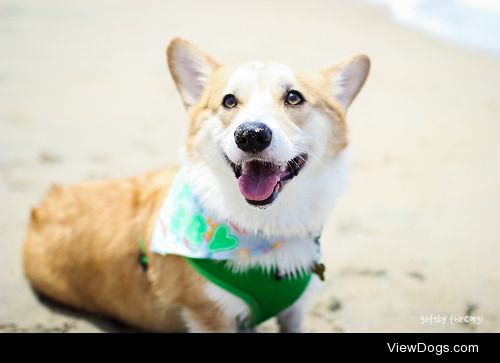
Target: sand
(85, 94)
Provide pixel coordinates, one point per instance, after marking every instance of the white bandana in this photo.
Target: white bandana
(185, 228)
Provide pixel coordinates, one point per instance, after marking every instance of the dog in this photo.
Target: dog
(231, 237)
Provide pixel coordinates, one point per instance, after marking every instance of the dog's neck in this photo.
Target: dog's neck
(297, 214)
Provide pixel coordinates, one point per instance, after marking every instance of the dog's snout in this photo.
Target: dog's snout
(253, 136)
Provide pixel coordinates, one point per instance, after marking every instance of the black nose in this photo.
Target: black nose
(253, 136)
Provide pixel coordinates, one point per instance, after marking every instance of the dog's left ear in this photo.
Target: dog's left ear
(347, 77)
(190, 68)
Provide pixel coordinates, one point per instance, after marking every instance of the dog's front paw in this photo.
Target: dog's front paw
(286, 329)
(291, 321)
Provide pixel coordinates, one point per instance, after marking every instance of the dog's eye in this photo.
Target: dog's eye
(229, 101)
(294, 98)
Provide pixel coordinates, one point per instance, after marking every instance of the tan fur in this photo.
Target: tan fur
(318, 94)
(208, 105)
(82, 249)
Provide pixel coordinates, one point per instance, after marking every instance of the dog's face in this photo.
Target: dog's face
(264, 124)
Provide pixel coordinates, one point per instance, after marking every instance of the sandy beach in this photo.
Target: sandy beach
(85, 94)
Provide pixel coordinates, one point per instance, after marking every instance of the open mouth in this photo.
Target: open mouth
(261, 181)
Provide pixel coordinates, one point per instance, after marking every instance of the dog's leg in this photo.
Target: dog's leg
(290, 320)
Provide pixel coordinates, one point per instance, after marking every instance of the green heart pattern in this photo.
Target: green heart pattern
(223, 240)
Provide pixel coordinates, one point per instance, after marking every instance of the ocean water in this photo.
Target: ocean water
(474, 24)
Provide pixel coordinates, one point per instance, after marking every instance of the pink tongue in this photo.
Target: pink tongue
(257, 180)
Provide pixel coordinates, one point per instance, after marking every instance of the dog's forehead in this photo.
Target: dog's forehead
(260, 75)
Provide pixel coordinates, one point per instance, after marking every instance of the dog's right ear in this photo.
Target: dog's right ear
(190, 68)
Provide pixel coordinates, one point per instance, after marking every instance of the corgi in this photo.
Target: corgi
(228, 239)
